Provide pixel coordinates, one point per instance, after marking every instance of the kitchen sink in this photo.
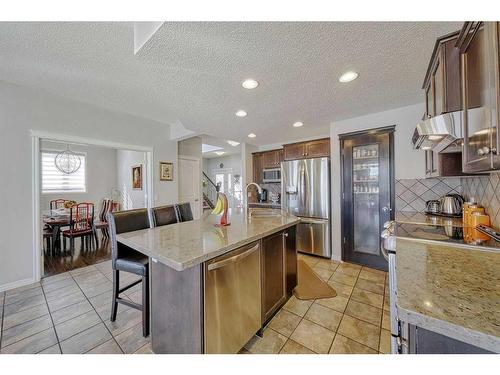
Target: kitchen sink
(264, 212)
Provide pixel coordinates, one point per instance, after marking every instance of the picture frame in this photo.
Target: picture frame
(137, 177)
(166, 171)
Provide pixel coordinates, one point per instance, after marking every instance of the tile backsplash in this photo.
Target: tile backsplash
(486, 191)
(411, 194)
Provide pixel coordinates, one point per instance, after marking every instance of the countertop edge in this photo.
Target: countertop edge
(196, 261)
(451, 244)
(473, 337)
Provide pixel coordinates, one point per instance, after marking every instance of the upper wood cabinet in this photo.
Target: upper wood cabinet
(480, 83)
(305, 150)
(272, 159)
(441, 83)
(257, 167)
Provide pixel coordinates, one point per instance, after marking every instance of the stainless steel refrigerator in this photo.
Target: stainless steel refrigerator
(305, 192)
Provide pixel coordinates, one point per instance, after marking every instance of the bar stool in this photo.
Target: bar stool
(184, 212)
(127, 259)
(164, 215)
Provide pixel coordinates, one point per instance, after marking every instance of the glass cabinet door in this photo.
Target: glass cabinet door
(366, 203)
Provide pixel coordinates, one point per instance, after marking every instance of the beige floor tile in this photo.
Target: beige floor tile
(26, 329)
(76, 325)
(342, 290)
(386, 320)
(54, 349)
(24, 316)
(372, 299)
(109, 347)
(337, 303)
(371, 286)
(349, 269)
(292, 347)
(146, 349)
(311, 261)
(323, 273)
(343, 278)
(324, 316)
(86, 340)
(297, 306)
(343, 345)
(364, 312)
(371, 276)
(328, 264)
(271, 342)
(360, 331)
(285, 322)
(385, 342)
(374, 270)
(313, 336)
(386, 306)
(32, 344)
(132, 339)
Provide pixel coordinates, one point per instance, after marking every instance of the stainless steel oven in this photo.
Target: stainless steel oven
(271, 175)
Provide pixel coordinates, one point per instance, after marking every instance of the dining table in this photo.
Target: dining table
(55, 220)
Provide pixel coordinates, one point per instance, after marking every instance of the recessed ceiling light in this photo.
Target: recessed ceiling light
(233, 143)
(298, 124)
(251, 135)
(348, 76)
(241, 113)
(250, 83)
(220, 153)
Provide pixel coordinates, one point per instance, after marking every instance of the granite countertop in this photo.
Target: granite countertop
(190, 243)
(450, 290)
(413, 217)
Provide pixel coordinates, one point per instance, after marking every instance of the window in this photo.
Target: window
(54, 181)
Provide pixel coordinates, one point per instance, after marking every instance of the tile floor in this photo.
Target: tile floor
(355, 321)
(69, 313)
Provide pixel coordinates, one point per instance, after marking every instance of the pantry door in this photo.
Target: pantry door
(190, 184)
(368, 190)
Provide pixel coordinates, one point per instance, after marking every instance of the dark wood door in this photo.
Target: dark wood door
(295, 151)
(273, 274)
(317, 149)
(368, 194)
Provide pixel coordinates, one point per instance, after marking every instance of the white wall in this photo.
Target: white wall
(409, 163)
(100, 170)
(24, 109)
(231, 161)
(192, 148)
(130, 198)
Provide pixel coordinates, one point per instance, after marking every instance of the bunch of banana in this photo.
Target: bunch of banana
(219, 207)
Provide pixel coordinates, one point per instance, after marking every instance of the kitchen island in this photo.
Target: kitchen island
(213, 288)
(448, 295)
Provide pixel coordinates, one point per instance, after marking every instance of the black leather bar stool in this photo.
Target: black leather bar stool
(164, 215)
(127, 259)
(184, 212)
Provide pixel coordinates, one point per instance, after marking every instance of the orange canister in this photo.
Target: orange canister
(469, 208)
(476, 219)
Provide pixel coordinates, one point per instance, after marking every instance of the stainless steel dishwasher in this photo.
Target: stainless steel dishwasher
(232, 299)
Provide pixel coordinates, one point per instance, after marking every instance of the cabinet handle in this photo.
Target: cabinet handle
(486, 150)
(285, 234)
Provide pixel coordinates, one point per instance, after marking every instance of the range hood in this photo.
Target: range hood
(438, 132)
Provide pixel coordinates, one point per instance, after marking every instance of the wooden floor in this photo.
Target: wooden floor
(64, 262)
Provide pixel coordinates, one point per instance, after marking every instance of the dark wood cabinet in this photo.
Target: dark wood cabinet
(442, 91)
(295, 151)
(272, 159)
(443, 164)
(480, 75)
(305, 150)
(290, 260)
(257, 163)
(273, 274)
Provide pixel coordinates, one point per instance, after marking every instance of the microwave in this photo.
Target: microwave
(271, 175)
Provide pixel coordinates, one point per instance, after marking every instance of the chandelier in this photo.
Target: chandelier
(67, 161)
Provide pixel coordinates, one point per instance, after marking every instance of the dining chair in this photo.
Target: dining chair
(126, 259)
(108, 205)
(164, 215)
(184, 212)
(81, 225)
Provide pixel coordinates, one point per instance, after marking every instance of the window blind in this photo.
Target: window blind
(54, 181)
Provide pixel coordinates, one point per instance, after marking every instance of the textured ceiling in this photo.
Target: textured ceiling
(192, 72)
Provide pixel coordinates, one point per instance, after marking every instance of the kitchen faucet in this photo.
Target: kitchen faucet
(259, 189)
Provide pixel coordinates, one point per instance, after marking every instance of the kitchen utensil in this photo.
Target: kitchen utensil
(451, 204)
(433, 206)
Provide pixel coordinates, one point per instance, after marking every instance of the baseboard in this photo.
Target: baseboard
(16, 284)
